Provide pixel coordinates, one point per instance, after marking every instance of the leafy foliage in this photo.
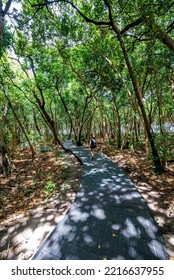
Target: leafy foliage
(68, 70)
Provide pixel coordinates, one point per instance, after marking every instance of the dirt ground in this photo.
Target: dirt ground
(31, 203)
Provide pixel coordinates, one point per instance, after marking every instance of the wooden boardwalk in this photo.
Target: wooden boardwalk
(109, 219)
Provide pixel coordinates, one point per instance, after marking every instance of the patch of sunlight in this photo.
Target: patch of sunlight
(99, 214)
(116, 227)
(88, 239)
(77, 216)
(50, 217)
(130, 229)
(146, 223)
(148, 227)
(156, 248)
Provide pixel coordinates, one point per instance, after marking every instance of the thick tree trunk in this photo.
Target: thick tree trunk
(159, 33)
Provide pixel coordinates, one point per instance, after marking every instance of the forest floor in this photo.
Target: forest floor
(36, 195)
(34, 198)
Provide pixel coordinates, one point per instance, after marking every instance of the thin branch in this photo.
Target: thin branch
(38, 9)
(49, 11)
(87, 19)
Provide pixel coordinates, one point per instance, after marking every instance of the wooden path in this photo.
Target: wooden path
(109, 219)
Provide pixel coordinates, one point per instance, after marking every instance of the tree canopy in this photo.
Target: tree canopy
(69, 68)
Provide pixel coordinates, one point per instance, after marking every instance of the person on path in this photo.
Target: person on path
(92, 145)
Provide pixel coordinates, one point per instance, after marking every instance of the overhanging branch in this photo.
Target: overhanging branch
(87, 19)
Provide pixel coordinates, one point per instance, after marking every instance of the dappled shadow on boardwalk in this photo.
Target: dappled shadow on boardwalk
(109, 219)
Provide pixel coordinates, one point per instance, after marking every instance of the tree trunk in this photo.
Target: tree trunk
(172, 86)
(135, 130)
(47, 119)
(70, 132)
(67, 112)
(79, 139)
(21, 126)
(118, 122)
(159, 33)
(1, 22)
(4, 164)
(156, 159)
(2, 15)
(36, 123)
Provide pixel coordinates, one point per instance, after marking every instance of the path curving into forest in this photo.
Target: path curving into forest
(109, 219)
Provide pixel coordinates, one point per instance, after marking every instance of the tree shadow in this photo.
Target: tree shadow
(21, 237)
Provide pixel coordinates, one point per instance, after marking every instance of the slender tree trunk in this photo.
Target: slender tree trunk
(41, 103)
(70, 132)
(156, 159)
(172, 81)
(161, 122)
(79, 139)
(136, 130)
(21, 126)
(118, 122)
(4, 164)
(47, 118)
(83, 120)
(16, 136)
(67, 112)
(36, 123)
(172, 87)
(1, 21)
